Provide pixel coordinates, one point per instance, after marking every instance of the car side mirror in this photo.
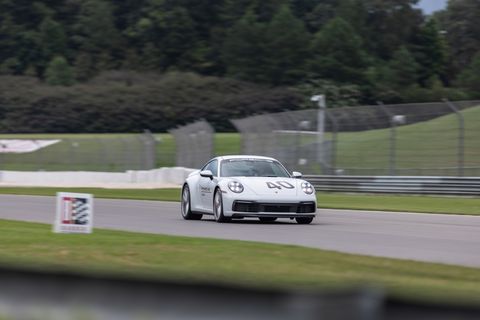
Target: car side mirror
(296, 174)
(206, 174)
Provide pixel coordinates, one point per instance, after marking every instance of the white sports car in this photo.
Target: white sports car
(235, 187)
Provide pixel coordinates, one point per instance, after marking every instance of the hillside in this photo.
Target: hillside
(422, 148)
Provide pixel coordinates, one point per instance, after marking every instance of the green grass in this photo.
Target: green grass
(246, 263)
(429, 144)
(451, 205)
(404, 203)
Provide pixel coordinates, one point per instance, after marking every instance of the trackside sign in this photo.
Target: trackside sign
(74, 213)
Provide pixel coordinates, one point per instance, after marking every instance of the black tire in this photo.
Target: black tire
(304, 220)
(186, 207)
(267, 219)
(218, 207)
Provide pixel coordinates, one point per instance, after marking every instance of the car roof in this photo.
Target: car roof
(221, 158)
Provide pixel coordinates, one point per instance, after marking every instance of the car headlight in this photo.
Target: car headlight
(235, 186)
(307, 188)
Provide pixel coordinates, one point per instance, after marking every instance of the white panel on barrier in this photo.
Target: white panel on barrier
(74, 213)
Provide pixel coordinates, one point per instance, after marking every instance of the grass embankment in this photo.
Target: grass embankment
(246, 263)
(457, 205)
(428, 144)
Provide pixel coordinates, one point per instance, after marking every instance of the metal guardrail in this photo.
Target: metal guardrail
(466, 186)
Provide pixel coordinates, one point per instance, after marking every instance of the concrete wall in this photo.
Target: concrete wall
(156, 178)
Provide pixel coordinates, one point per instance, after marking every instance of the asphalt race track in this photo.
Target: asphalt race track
(451, 239)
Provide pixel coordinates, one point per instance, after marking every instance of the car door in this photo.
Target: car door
(207, 185)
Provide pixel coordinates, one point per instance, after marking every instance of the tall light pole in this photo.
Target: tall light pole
(322, 106)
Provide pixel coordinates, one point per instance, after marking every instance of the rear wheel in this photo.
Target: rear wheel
(304, 220)
(267, 219)
(218, 207)
(187, 213)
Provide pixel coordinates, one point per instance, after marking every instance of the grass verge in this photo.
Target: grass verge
(448, 205)
(246, 263)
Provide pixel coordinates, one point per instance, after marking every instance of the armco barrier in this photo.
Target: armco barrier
(34, 295)
(467, 186)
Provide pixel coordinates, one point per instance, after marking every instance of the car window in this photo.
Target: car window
(252, 168)
(212, 166)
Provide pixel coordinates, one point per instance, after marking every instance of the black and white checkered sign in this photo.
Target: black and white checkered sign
(74, 213)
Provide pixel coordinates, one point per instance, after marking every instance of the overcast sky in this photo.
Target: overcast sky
(430, 6)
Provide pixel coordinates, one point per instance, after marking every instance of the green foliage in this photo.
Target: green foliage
(403, 68)
(96, 38)
(59, 72)
(368, 43)
(287, 48)
(462, 31)
(390, 24)
(338, 53)
(431, 52)
(244, 52)
(53, 39)
(130, 102)
(338, 95)
(393, 81)
(470, 77)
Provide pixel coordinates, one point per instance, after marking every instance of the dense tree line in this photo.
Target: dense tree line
(359, 50)
(120, 101)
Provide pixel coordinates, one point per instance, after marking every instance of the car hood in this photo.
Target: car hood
(271, 185)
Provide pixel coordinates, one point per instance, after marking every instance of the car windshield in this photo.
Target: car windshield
(252, 168)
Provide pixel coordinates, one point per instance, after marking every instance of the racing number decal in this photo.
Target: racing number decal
(272, 185)
(279, 185)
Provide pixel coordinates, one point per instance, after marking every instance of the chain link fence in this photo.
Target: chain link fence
(405, 139)
(194, 144)
(87, 153)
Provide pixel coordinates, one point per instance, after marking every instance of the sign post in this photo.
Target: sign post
(74, 213)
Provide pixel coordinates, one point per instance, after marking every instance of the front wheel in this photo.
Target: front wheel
(218, 207)
(304, 220)
(187, 213)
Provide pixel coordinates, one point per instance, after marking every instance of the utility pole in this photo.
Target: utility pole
(322, 106)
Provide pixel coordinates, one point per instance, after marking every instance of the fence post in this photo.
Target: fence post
(461, 138)
(333, 152)
(393, 138)
(149, 144)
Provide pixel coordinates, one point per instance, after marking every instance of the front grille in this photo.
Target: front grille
(241, 206)
(306, 207)
(278, 208)
(247, 206)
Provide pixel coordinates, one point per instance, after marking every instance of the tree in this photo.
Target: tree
(59, 72)
(462, 31)
(168, 30)
(287, 48)
(178, 39)
(244, 49)
(390, 24)
(470, 77)
(338, 53)
(430, 52)
(96, 36)
(403, 69)
(338, 95)
(53, 39)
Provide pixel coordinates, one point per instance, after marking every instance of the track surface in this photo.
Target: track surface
(450, 239)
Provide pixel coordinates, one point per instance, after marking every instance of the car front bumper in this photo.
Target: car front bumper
(238, 206)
